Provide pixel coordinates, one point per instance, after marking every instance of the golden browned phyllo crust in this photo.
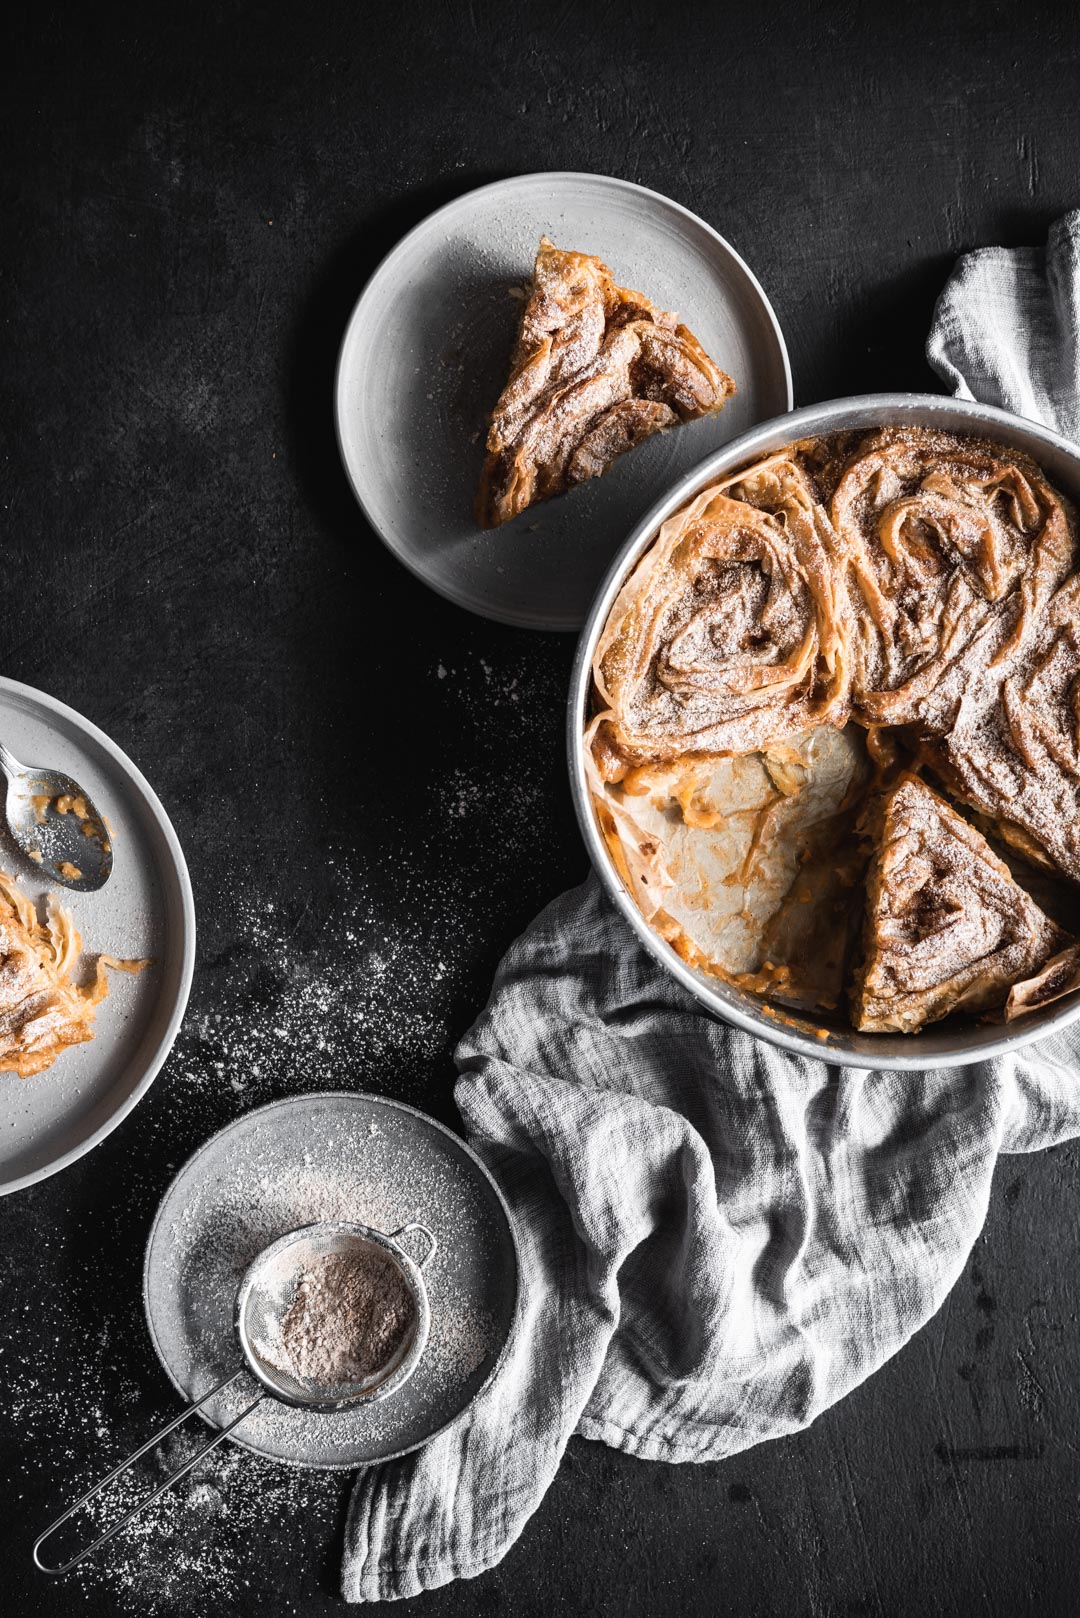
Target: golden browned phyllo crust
(734, 630)
(1016, 756)
(954, 547)
(596, 370)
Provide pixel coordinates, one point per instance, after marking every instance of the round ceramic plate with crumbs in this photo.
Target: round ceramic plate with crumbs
(301, 1161)
(426, 354)
(145, 910)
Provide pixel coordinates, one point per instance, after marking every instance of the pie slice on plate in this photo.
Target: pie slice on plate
(596, 370)
(947, 928)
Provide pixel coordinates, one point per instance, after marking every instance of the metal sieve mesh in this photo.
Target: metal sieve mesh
(267, 1292)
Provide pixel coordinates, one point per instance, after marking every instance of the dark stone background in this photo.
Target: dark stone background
(192, 200)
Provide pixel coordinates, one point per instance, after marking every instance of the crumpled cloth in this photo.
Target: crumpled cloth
(1006, 329)
(718, 1240)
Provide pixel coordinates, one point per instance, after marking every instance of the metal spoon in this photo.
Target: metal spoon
(56, 825)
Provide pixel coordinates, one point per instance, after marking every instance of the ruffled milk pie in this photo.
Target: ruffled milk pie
(596, 370)
(918, 590)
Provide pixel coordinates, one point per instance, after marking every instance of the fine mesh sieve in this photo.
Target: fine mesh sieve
(268, 1289)
(265, 1295)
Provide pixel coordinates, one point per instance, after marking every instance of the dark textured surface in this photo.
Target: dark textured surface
(190, 208)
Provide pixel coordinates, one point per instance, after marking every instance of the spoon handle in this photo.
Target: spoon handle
(172, 1478)
(8, 762)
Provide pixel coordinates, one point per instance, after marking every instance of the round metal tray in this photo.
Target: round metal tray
(332, 1155)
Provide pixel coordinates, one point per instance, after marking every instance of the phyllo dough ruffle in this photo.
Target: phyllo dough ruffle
(596, 370)
(954, 547)
(42, 1010)
(1017, 758)
(733, 631)
(947, 928)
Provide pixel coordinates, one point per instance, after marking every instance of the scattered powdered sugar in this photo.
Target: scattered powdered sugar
(365, 982)
(373, 998)
(373, 975)
(210, 1540)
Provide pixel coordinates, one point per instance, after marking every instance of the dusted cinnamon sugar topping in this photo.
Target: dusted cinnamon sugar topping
(596, 370)
(1016, 755)
(947, 927)
(919, 583)
(954, 547)
(734, 629)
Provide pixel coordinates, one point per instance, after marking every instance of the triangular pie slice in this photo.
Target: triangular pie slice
(947, 928)
(596, 370)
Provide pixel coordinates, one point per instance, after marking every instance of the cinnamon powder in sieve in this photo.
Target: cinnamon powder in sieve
(349, 1316)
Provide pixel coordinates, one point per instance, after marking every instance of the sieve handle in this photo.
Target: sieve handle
(173, 1477)
(406, 1230)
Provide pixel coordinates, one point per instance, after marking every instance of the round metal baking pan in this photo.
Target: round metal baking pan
(954, 1041)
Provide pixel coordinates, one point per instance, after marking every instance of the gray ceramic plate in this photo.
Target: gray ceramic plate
(144, 909)
(332, 1155)
(425, 356)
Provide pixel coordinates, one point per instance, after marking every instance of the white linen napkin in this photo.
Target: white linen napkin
(1006, 329)
(718, 1240)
